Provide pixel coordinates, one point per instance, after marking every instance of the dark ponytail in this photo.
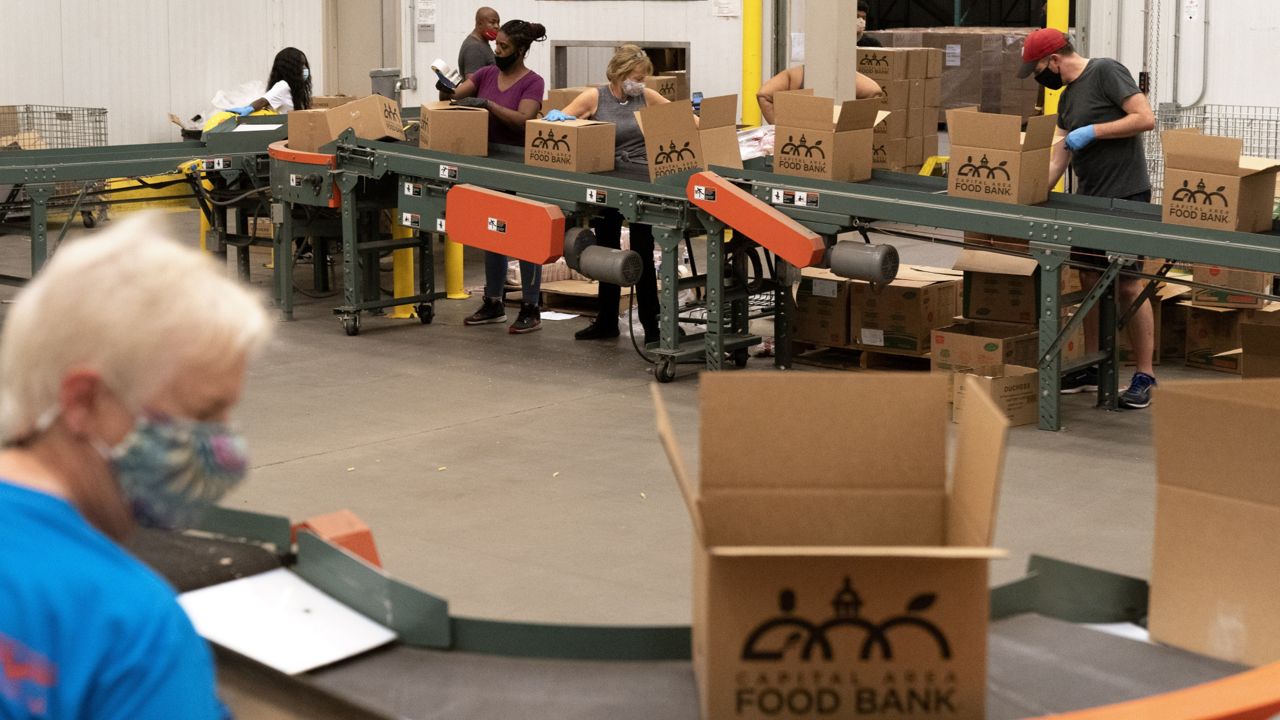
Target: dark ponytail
(523, 34)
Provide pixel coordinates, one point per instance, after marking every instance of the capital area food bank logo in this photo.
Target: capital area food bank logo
(802, 148)
(672, 154)
(550, 141)
(1200, 195)
(872, 60)
(983, 169)
(790, 635)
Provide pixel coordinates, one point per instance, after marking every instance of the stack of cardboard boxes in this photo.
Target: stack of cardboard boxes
(911, 79)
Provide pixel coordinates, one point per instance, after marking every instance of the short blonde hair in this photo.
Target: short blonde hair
(129, 303)
(626, 60)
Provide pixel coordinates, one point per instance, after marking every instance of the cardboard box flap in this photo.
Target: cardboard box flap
(979, 464)
(1040, 132)
(799, 551)
(1237, 420)
(442, 105)
(765, 429)
(1190, 149)
(678, 468)
(821, 516)
(802, 111)
(718, 112)
(859, 114)
(581, 123)
(1260, 339)
(924, 272)
(1254, 165)
(969, 128)
(971, 260)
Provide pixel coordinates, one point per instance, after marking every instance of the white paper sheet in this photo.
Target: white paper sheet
(256, 128)
(553, 315)
(280, 620)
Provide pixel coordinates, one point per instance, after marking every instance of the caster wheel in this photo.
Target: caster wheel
(89, 219)
(665, 372)
(351, 324)
(426, 313)
(740, 357)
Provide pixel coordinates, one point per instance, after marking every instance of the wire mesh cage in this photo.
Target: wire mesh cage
(1258, 126)
(44, 127)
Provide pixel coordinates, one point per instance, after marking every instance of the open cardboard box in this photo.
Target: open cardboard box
(818, 139)
(372, 118)
(1209, 183)
(859, 567)
(992, 159)
(1013, 389)
(998, 286)
(1215, 573)
(672, 143)
(718, 131)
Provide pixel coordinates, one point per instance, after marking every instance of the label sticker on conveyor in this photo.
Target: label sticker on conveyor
(799, 198)
(412, 220)
(449, 172)
(496, 225)
(596, 196)
(702, 192)
(440, 225)
(215, 164)
(413, 189)
(295, 180)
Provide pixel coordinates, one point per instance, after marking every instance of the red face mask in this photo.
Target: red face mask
(490, 35)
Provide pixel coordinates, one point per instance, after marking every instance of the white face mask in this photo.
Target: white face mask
(632, 88)
(306, 73)
(862, 26)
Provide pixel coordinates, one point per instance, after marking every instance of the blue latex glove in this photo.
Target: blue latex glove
(557, 116)
(243, 110)
(1079, 138)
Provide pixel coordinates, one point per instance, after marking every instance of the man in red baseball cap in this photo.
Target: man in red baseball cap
(1103, 114)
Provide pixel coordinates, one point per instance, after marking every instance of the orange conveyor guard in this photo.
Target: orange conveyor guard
(281, 151)
(1250, 695)
(747, 214)
(505, 224)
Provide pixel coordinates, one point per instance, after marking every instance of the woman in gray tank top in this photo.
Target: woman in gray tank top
(618, 103)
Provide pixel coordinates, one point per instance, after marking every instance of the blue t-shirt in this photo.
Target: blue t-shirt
(86, 630)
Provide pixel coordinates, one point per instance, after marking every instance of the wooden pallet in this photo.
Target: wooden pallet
(851, 358)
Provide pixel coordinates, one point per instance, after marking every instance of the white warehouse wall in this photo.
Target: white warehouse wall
(142, 59)
(715, 43)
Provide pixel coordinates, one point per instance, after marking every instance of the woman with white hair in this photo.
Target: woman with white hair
(120, 364)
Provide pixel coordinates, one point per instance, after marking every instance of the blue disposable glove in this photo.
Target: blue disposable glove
(243, 110)
(1079, 138)
(557, 116)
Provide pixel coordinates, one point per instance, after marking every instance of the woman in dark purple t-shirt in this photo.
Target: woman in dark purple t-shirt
(512, 93)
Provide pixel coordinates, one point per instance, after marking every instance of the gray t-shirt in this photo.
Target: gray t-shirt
(1113, 168)
(474, 55)
(628, 143)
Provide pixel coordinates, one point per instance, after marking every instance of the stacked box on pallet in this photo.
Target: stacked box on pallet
(912, 84)
(979, 66)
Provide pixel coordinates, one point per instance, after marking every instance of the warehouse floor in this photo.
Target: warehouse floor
(520, 477)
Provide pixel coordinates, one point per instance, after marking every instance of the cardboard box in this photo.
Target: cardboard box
(915, 150)
(999, 287)
(372, 118)
(1214, 565)
(822, 309)
(718, 130)
(901, 316)
(858, 568)
(809, 143)
(929, 145)
(1210, 333)
(933, 93)
(584, 146)
(326, 102)
(897, 95)
(1230, 279)
(1073, 349)
(916, 126)
(992, 159)
(915, 93)
(893, 127)
(454, 128)
(1208, 183)
(672, 87)
(935, 58)
(918, 62)
(888, 154)
(968, 344)
(1260, 345)
(671, 139)
(884, 64)
(559, 98)
(1173, 331)
(830, 51)
(1013, 389)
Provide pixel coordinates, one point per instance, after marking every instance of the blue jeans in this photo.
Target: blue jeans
(495, 278)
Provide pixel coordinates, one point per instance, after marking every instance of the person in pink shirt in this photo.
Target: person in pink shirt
(512, 93)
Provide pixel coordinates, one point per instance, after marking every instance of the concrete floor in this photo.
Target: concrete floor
(521, 476)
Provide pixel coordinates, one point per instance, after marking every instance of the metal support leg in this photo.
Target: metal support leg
(283, 260)
(1051, 261)
(716, 307)
(784, 310)
(349, 315)
(39, 195)
(1109, 367)
(242, 250)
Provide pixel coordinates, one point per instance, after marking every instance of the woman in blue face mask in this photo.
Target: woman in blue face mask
(123, 360)
(288, 87)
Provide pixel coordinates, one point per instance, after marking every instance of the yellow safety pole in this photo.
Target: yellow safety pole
(1058, 15)
(453, 271)
(752, 41)
(402, 272)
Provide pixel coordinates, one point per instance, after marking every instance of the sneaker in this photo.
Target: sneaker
(1138, 394)
(491, 311)
(1085, 380)
(527, 321)
(597, 331)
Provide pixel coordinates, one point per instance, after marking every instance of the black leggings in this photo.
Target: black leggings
(608, 230)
